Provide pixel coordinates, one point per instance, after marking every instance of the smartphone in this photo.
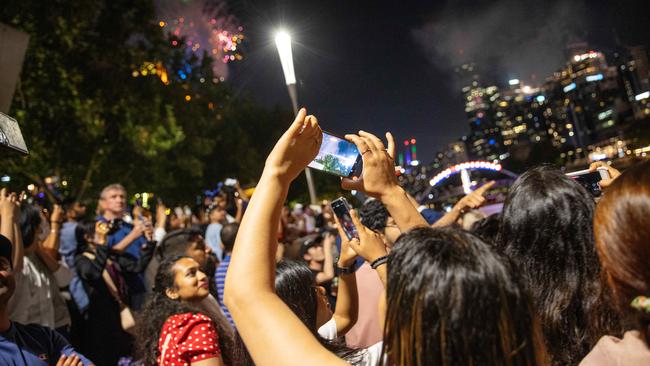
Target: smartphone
(338, 156)
(341, 209)
(10, 135)
(590, 180)
(230, 182)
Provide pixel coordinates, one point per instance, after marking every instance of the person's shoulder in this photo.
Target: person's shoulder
(186, 319)
(34, 330)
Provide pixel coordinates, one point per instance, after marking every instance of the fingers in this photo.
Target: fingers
(72, 360)
(352, 184)
(339, 228)
(391, 145)
(361, 144)
(596, 164)
(485, 187)
(356, 221)
(299, 122)
(375, 144)
(3, 194)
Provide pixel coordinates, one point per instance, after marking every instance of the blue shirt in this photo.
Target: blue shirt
(34, 345)
(68, 249)
(220, 280)
(213, 239)
(125, 228)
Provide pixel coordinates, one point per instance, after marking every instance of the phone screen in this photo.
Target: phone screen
(590, 182)
(342, 211)
(337, 156)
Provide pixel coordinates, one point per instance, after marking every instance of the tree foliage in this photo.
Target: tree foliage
(87, 119)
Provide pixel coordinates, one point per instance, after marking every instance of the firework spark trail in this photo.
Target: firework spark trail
(205, 26)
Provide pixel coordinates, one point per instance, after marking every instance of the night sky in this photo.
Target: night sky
(388, 66)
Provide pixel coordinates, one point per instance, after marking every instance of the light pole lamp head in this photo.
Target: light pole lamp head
(283, 43)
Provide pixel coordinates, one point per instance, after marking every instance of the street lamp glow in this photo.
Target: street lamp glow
(283, 43)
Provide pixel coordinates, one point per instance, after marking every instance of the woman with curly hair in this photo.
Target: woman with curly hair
(174, 327)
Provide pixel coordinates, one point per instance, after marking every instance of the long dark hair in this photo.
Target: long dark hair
(30, 221)
(160, 307)
(547, 228)
(452, 300)
(296, 287)
(622, 229)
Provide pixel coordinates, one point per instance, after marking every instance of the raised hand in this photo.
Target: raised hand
(57, 214)
(296, 148)
(474, 199)
(613, 173)
(347, 255)
(370, 244)
(101, 231)
(378, 177)
(72, 360)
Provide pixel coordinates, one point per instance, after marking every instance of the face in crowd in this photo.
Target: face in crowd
(114, 201)
(190, 284)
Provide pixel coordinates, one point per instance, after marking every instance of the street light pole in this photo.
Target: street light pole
(283, 43)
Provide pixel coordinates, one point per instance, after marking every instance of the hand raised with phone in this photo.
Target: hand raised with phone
(378, 177)
(370, 244)
(296, 148)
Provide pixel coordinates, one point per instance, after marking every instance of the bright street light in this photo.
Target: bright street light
(283, 43)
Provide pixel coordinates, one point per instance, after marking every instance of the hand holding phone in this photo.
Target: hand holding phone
(590, 179)
(337, 156)
(341, 209)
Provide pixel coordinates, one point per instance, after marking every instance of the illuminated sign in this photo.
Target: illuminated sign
(642, 96)
(483, 165)
(569, 87)
(595, 77)
(513, 81)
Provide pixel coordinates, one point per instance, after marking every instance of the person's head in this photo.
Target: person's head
(179, 287)
(375, 216)
(7, 280)
(622, 230)
(547, 229)
(216, 213)
(181, 279)
(113, 200)
(487, 228)
(311, 248)
(296, 286)
(452, 300)
(33, 226)
(228, 236)
(74, 210)
(469, 218)
(184, 242)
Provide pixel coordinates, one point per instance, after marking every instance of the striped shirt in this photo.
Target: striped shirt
(220, 280)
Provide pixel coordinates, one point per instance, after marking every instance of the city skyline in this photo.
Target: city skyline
(363, 67)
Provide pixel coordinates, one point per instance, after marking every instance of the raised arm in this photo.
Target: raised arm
(474, 199)
(347, 300)
(50, 245)
(328, 264)
(9, 226)
(378, 179)
(262, 319)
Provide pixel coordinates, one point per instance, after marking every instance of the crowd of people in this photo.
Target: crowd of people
(556, 278)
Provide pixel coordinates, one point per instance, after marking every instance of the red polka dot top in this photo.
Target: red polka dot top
(187, 338)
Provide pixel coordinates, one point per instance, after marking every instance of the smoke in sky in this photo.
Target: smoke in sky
(506, 39)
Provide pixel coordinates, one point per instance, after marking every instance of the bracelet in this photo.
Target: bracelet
(379, 261)
(344, 270)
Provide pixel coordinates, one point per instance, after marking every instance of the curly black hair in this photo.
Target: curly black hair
(160, 307)
(374, 215)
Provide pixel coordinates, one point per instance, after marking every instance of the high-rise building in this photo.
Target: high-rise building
(484, 140)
